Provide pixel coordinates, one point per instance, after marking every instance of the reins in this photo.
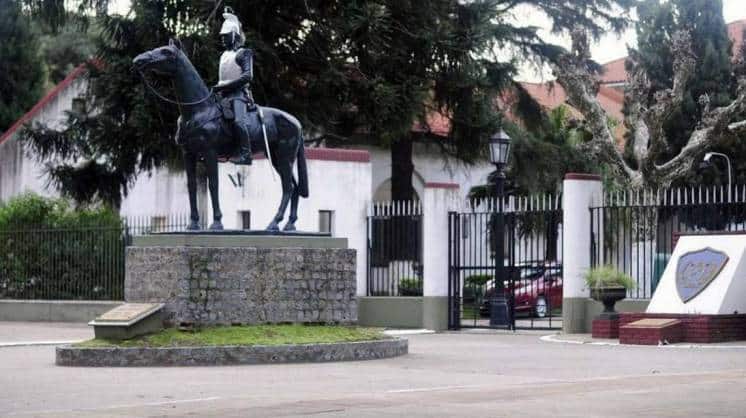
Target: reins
(166, 99)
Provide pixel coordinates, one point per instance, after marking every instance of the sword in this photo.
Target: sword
(266, 143)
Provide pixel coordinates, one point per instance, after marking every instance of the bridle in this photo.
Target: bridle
(166, 99)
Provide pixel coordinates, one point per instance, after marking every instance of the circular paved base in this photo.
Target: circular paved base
(229, 355)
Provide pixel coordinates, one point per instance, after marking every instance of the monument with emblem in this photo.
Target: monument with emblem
(701, 296)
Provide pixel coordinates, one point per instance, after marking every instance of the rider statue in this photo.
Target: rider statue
(235, 75)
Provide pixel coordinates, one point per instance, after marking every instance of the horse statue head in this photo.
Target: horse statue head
(163, 60)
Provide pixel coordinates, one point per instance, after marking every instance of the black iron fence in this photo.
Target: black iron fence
(531, 286)
(82, 263)
(636, 232)
(395, 249)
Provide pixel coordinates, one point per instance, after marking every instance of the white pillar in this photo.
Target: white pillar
(438, 199)
(579, 193)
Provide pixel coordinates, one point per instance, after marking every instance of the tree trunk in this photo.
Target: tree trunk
(402, 170)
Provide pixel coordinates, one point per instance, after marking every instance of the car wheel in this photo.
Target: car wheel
(541, 307)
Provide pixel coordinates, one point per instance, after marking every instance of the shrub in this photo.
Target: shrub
(48, 250)
(608, 276)
(410, 286)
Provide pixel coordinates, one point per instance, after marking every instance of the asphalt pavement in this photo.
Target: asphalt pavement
(478, 374)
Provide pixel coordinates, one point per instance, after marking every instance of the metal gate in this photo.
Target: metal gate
(528, 292)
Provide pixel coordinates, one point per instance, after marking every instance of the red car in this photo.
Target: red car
(536, 293)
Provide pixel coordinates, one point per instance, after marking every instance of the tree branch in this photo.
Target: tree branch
(574, 75)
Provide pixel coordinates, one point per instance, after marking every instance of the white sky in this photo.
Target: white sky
(610, 47)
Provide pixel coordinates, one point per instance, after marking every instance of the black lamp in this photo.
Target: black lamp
(500, 149)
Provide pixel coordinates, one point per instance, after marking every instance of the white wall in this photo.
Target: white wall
(340, 186)
(429, 167)
(18, 172)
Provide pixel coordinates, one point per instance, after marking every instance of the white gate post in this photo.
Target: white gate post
(438, 199)
(579, 193)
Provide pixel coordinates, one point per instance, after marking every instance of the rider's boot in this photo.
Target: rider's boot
(242, 133)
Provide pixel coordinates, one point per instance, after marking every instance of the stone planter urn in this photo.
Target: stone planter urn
(609, 296)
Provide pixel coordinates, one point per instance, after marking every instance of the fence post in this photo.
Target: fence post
(579, 193)
(438, 199)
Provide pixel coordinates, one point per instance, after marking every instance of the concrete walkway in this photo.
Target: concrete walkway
(450, 374)
(40, 333)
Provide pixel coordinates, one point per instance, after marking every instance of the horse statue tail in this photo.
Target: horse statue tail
(302, 170)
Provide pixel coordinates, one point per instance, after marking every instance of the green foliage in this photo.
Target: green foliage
(50, 251)
(474, 287)
(608, 276)
(410, 286)
(478, 279)
(351, 71)
(31, 211)
(21, 70)
(64, 51)
(246, 335)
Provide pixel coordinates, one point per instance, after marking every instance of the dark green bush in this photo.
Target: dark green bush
(474, 287)
(410, 286)
(48, 250)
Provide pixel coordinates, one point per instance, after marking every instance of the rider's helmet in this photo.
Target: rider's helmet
(231, 33)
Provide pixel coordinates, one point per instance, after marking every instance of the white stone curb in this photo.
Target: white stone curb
(33, 343)
(555, 338)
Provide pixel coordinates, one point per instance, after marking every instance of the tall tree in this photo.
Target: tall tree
(703, 20)
(352, 71)
(675, 111)
(21, 70)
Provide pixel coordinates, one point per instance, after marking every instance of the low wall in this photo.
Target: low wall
(53, 310)
(394, 312)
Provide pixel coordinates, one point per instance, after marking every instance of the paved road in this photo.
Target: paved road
(469, 374)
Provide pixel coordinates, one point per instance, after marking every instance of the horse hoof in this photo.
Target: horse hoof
(289, 228)
(273, 227)
(216, 226)
(193, 226)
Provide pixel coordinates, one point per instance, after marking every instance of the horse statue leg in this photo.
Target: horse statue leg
(285, 170)
(190, 163)
(211, 163)
(290, 226)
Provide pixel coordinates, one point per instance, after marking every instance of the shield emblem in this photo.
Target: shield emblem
(696, 270)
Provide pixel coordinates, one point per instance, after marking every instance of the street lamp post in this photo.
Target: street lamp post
(707, 159)
(499, 152)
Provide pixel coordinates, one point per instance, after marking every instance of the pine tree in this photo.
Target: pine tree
(21, 71)
(351, 71)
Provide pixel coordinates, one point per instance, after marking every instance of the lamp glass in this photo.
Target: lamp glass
(499, 148)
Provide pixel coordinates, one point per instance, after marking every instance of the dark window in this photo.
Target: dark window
(245, 219)
(326, 217)
(79, 105)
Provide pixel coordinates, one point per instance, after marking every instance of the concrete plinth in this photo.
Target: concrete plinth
(229, 279)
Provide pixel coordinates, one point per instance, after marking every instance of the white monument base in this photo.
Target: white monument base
(723, 295)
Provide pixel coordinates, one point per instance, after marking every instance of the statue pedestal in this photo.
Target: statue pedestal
(243, 278)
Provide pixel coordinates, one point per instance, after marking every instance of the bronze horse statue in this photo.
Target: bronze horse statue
(205, 136)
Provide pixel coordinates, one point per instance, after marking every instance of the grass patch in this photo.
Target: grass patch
(245, 335)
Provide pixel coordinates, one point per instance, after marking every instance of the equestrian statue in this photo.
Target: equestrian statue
(224, 123)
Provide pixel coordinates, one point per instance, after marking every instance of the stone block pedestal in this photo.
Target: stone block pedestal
(244, 280)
